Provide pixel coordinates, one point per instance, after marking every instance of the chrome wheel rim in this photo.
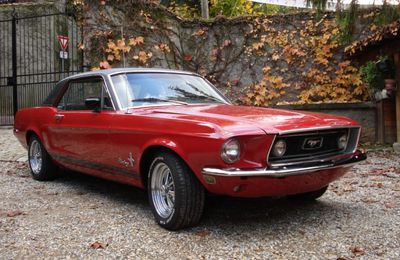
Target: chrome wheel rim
(163, 190)
(35, 157)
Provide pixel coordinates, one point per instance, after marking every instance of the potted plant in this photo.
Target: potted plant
(387, 68)
(373, 78)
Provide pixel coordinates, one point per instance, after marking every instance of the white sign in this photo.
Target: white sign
(292, 3)
(330, 5)
(64, 55)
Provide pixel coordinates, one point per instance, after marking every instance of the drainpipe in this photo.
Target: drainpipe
(396, 146)
(204, 9)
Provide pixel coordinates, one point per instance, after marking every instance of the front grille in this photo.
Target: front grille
(311, 145)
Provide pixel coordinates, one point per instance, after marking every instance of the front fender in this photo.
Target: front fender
(166, 143)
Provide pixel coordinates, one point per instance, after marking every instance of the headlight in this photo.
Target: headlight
(342, 142)
(230, 151)
(279, 148)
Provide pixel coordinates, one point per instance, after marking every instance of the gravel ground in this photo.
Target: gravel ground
(78, 216)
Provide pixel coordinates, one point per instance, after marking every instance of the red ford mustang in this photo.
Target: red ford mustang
(173, 133)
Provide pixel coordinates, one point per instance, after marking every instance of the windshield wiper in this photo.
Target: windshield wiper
(208, 98)
(153, 99)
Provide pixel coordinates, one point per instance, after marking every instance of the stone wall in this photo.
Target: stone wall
(364, 113)
(240, 56)
(237, 55)
(262, 60)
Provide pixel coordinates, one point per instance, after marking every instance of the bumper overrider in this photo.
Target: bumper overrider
(341, 161)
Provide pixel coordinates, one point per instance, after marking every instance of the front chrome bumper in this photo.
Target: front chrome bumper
(338, 162)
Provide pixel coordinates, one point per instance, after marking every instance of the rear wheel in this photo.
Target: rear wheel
(42, 168)
(309, 196)
(176, 196)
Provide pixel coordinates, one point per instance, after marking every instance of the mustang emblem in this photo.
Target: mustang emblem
(129, 162)
(312, 143)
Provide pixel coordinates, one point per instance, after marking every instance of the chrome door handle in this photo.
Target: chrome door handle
(58, 116)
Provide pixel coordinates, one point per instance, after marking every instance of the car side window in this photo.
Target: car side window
(85, 95)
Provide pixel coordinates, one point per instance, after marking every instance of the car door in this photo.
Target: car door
(79, 134)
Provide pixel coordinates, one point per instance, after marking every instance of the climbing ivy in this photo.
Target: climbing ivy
(291, 59)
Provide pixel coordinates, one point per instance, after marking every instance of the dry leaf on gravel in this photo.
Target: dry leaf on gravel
(98, 245)
(368, 200)
(390, 205)
(343, 258)
(202, 233)
(348, 188)
(15, 213)
(358, 251)
(377, 185)
(397, 187)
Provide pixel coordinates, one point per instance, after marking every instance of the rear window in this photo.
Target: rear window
(51, 99)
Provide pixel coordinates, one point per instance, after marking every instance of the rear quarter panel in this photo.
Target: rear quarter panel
(34, 119)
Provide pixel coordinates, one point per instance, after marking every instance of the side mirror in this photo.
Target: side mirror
(93, 103)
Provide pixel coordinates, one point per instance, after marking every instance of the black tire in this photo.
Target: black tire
(188, 198)
(46, 171)
(310, 196)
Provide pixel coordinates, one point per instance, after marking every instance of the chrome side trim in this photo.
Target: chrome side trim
(285, 172)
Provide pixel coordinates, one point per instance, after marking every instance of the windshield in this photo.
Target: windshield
(143, 89)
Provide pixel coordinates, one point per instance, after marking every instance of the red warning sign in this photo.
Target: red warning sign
(63, 40)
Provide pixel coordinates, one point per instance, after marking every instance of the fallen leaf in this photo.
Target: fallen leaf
(390, 205)
(348, 188)
(377, 185)
(368, 200)
(358, 251)
(98, 245)
(396, 187)
(202, 233)
(380, 253)
(14, 213)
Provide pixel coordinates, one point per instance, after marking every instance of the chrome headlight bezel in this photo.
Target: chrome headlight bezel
(342, 142)
(230, 151)
(279, 148)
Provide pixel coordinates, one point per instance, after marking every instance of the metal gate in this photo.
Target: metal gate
(30, 59)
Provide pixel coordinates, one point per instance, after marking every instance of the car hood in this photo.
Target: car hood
(243, 118)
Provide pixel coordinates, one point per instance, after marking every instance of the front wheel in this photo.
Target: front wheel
(40, 163)
(176, 196)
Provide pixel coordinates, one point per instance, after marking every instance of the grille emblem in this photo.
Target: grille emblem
(312, 143)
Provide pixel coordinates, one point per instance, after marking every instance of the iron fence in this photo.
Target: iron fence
(30, 59)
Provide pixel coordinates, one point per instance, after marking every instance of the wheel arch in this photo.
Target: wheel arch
(151, 150)
(29, 134)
